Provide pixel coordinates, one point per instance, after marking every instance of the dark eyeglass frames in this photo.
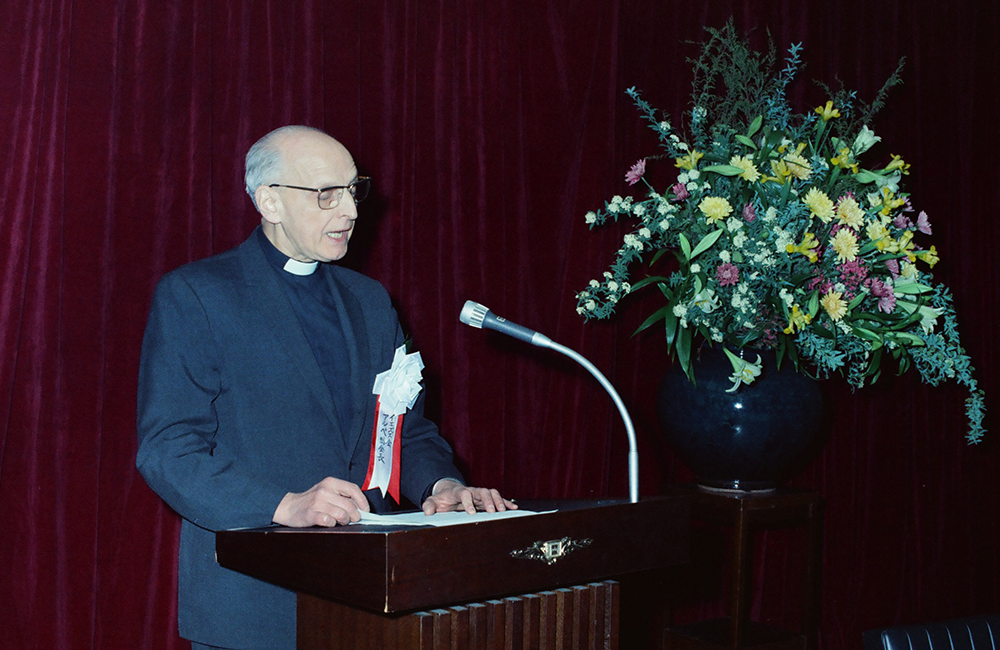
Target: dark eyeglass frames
(330, 197)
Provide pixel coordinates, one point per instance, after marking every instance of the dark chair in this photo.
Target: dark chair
(973, 633)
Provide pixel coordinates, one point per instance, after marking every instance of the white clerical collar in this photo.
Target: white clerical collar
(296, 267)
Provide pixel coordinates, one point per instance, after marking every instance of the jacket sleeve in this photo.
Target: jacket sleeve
(180, 379)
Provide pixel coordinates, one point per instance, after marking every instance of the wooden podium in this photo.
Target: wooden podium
(509, 583)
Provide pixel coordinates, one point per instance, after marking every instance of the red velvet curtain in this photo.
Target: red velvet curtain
(490, 128)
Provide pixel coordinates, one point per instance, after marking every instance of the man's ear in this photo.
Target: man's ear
(268, 203)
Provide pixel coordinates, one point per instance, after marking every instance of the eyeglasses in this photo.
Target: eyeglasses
(330, 197)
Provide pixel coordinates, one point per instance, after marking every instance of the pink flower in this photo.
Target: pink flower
(821, 283)
(882, 291)
(923, 223)
(680, 192)
(749, 213)
(853, 273)
(633, 175)
(727, 274)
(902, 222)
(893, 267)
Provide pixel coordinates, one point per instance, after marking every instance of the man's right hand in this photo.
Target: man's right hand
(330, 502)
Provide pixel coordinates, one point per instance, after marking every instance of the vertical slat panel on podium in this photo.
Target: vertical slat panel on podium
(583, 616)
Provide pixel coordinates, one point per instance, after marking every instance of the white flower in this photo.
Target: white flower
(770, 214)
(786, 297)
(590, 217)
(693, 174)
(633, 242)
(579, 310)
(680, 311)
(595, 283)
(784, 238)
(665, 224)
(612, 286)
(696, 268)
(724, 256)
(734, 224)
(744, 372)
(626, 287)
(716, 335)
(645, 233)
(692, 186)
(682, 178)
(591, 305)
(740, 239)
(866, 140)
(664, 126)
(706, 301)
(608, 275)
(639, 209)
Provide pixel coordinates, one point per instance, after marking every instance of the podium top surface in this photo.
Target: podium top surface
(402, 568)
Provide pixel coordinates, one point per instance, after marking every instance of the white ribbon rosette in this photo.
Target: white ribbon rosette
(399, 386)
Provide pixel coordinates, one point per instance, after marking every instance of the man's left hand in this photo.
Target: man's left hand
(449, 495)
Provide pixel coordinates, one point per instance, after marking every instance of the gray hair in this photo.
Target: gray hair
(264, 161)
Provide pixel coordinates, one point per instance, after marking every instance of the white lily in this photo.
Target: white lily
(744, 372)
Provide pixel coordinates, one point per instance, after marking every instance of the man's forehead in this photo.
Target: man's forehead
(320, 157)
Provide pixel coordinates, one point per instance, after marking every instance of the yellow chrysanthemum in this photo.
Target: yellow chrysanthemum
(827, 112)
(798, 166)
(876, 231)
(806, 248)
(819, 203)
(797, 320)
(845, 245)
(715, 208)
(849, 212)
(749, 173)
(689, 161)
(834, 305)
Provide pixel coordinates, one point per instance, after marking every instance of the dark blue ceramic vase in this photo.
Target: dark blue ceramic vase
(752, 439)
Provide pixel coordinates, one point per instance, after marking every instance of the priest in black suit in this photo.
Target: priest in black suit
(256, 402)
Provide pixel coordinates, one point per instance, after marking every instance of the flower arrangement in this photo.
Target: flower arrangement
(784, 238)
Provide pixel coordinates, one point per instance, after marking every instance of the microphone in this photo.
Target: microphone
(476, 315)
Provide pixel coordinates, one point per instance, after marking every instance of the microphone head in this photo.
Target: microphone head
(473, 314)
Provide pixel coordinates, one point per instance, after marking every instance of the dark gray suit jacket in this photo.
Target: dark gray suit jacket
(234, 412)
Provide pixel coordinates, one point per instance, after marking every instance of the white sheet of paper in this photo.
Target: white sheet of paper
(441, 518)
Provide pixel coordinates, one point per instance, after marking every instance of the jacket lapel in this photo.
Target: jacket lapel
(352, 323)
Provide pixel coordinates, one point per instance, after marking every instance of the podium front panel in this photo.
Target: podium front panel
(397, 569)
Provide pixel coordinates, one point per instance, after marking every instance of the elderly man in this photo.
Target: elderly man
(257, 386)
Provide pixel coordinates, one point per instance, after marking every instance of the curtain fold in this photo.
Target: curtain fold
(490, 129)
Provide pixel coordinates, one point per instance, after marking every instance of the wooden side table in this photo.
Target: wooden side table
(745, 513)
